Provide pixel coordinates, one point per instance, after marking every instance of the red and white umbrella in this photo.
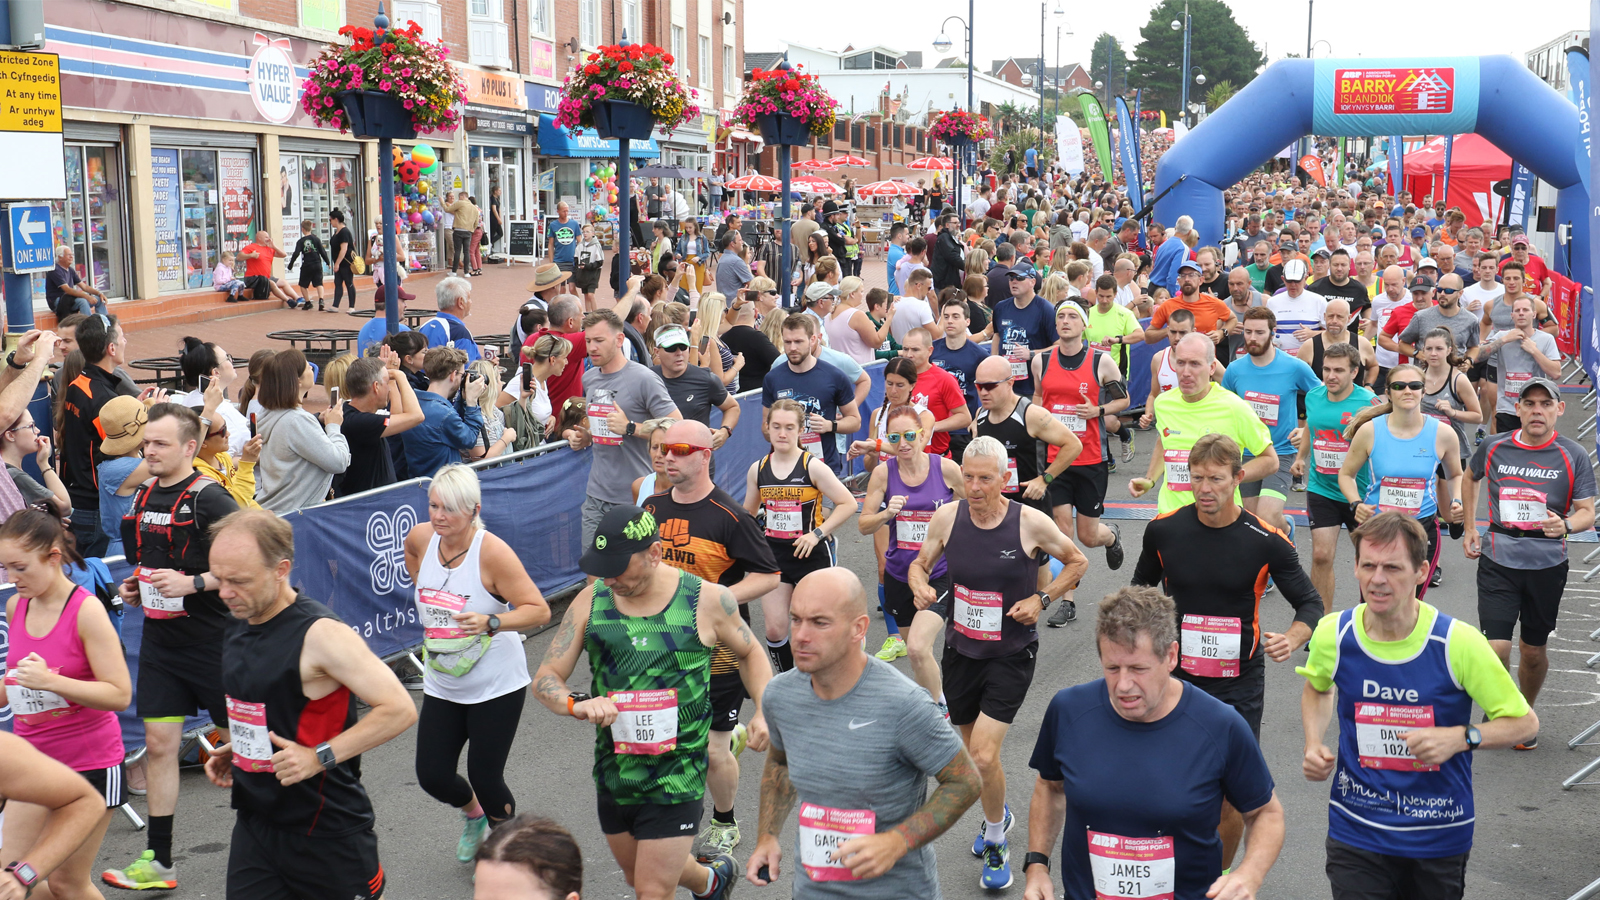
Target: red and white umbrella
(848, 160)
(754, 182)
(811, 184)
(816, 165)
(931, 162)
(887, 189)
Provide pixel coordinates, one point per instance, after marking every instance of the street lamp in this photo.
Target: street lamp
(1186, 27)
(942, 44)
(1199, 77)
(1027, 79)
(1060, 14)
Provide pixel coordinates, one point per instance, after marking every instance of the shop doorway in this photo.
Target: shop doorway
(497, 168)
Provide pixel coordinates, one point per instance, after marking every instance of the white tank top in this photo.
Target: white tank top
(843, 338)
(504, 668)
(1166, 376)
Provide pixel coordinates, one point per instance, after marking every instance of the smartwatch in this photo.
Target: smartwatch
(11, 360)
(629, 431)
(574, 698)
(494, 624)
(325, 756)
(199, 583)
(817, 533)
(1474, 738)
(1044, 600)
(1048, 478)
(1035, 857)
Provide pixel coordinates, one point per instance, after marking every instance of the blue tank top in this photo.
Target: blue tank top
(907, 530)
(1401, 472)
(1380, 800)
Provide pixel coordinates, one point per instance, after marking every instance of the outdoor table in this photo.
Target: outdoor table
(321, 344)
(160, 365)
(416, 315)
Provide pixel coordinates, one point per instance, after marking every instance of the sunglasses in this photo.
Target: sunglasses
(989, 385)
(1406, 386)
(895, 437)
(1448, 290)
(682, 449)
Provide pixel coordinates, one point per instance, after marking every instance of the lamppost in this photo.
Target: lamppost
(1059, 14)
(1184, 78)
(942, 44)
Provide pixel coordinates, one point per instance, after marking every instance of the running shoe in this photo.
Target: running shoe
(944, 710)
(473, 831)
(1007, 820)
(741, 736)
(144, 875)
(894, 647)
(1065, 612)
(719, 839)
(724, 875)
(1111, 464)
(1438, 577)
(1114, 552)
(996, 867)
(1127, 444)
(1298, 485)
(1529, 744)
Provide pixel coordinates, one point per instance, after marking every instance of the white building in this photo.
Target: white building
(1549, 61)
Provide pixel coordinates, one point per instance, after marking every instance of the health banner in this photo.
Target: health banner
(1070, 142)
(1564, 305)
(1378, 96)
(1312, 163)
(1128, 147)
(1095, 115)
(1449, 145)
(1522, 187)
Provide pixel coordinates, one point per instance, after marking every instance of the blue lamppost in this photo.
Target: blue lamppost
(1183, 76)
(942, 44)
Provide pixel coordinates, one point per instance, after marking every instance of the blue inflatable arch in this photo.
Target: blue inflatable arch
(1493, 96)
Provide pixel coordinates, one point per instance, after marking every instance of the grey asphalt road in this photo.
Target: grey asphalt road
(1533, 839)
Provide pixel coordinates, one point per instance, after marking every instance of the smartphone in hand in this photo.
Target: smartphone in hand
(252, 424)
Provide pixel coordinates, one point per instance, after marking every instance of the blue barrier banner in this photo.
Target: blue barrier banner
(1385, 96)
(1522, 188)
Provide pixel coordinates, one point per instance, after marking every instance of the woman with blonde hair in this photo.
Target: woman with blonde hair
(977, 262)
(707, 329)
(1055, 288)
(763, 291)
(850, 331)
(772, 328)
(333, 373)
(495, 437)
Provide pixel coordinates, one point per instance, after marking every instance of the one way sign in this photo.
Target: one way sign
(30, 241)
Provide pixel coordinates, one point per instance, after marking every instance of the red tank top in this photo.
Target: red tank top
(1061, 390)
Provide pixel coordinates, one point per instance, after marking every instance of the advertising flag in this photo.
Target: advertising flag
(1397, 168)
(1443, 196)
(1312, 163)
(1095, 115)
(1070, 142)
(1128, 144)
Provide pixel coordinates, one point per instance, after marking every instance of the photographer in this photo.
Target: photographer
(446, 430)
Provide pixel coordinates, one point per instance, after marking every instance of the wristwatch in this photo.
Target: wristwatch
(574, 698)
(325, 756)
(24, 874)
(494, 624)
(1474, 738)
(1047, 477)
(11, 360)
(1035, 857)
(199, 583)
(817, 533)
(632, 427)
(1044, 600)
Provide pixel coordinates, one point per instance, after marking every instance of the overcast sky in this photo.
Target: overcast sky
(1010, 27)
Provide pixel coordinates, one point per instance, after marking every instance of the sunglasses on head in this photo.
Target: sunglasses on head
(682, 449)
(1406, 386)
(895, 437)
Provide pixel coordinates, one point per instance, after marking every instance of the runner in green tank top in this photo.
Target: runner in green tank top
(649, 630)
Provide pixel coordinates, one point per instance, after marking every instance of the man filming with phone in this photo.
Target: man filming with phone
(446, 429)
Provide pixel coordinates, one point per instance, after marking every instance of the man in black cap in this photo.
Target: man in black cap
(650, 631)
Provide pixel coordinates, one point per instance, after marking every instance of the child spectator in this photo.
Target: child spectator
(309, 246)
(223, 280)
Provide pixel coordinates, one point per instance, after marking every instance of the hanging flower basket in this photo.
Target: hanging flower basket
(614, 119)
(959, 128)
(786, 105)
(639, 75)
(398, 84)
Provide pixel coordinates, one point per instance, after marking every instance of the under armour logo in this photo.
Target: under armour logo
(386, 537)
(639, 643)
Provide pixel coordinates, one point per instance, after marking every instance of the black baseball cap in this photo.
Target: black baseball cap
(622, 532)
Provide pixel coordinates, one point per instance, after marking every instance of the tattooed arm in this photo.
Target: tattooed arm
(872, 855)
(777, 801)
(561, 657)
(754, 668)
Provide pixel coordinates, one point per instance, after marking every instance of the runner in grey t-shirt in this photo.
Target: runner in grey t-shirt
(1463, 325)
(853, 745)
(1519, 362)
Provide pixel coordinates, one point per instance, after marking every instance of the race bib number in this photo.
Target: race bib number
(810, 441)
(437, 607)
(156, 605)
(1522, 508)
(822, 830)
(1265, 406)
(1066, 415)
(783, 519)
(1177, 462)
(1210, 646)
(1402, 495)
(598, 429)
(1012, 484)
(911, 528)
(36, 707)
(647, 722)
(1125, 867)
(1378, 730)
(247, 729)
(977, 613)
(1018, 356)
(1514, 383)
(1329, 454)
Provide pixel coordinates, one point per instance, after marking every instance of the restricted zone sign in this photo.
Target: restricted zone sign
(30, 127)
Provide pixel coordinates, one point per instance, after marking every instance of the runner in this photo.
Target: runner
(1021, 425)
(65, 681)
(992, 643)
(959, 356)
(1321, 448)
(1336, 319)
(1222, 642)
(650, 631)
(854, 742)
(1298, 311)
(1390, 296)
(1163, 377)
(529, 857)
(1400, 450)
(1400, 810)
(1111, 326)
(473, 595)
(1541, 489)
(305, 823)
(821, 388)
(1523, 352)
(1486, 292)
(707, 534)
(1079, 386)
(1271, 382)
(167, 536)
(1448, 396)
(904, 494)
(1196, 408)
(1210, 313)
(785, 488)
(71, 813)
(937, 391)
(1134, 769)
(1022, 325)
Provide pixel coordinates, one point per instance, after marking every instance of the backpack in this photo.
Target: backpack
(530, 431)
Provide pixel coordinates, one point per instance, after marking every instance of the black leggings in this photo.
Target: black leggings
(344, 280)
(490, 726)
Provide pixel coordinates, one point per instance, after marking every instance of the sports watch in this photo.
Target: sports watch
(325, 756)
(1474, 738)
(576, 697)
(24, 874)
(493, 625)
(1044, 600)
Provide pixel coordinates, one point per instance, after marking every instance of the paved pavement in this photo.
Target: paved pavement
(1533, 839)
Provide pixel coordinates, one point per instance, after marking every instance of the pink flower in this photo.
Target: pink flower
(406, 72)
(385, 85)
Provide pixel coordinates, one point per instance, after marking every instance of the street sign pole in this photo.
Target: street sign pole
(27, 245)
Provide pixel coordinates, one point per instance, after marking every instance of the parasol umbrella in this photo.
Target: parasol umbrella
(848, 160)
(816, 165)
(811, 184)
(754, 182)
(931, 162)
(888, 189)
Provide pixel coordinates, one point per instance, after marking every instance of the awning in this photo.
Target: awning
(555, 140)
(739, 134)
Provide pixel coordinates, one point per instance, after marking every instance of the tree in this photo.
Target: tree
(1218, 45)
(1219, 94)
(1106, 46)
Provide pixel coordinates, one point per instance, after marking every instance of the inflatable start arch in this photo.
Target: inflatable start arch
(1493, 96)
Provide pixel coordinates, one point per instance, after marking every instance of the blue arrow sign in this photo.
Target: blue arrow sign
(30, 244)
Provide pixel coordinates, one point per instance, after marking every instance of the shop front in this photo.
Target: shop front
(315, 178)
(498, 134)
(574, 155)
(93, 219)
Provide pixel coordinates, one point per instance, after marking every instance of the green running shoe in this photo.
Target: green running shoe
(145, 874)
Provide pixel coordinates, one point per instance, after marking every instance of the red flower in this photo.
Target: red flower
(791, 85)
(667, 58)
(635, 53)
(591, 69)
(625, 67)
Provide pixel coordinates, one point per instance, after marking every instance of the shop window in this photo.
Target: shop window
(589, 23)
(426, 13)
(488, 36)
(705, 62)
(327, 15)
(90, 220)
(312, 187)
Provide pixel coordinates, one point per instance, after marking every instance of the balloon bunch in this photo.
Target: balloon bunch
(414, 198)
(602, 185)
